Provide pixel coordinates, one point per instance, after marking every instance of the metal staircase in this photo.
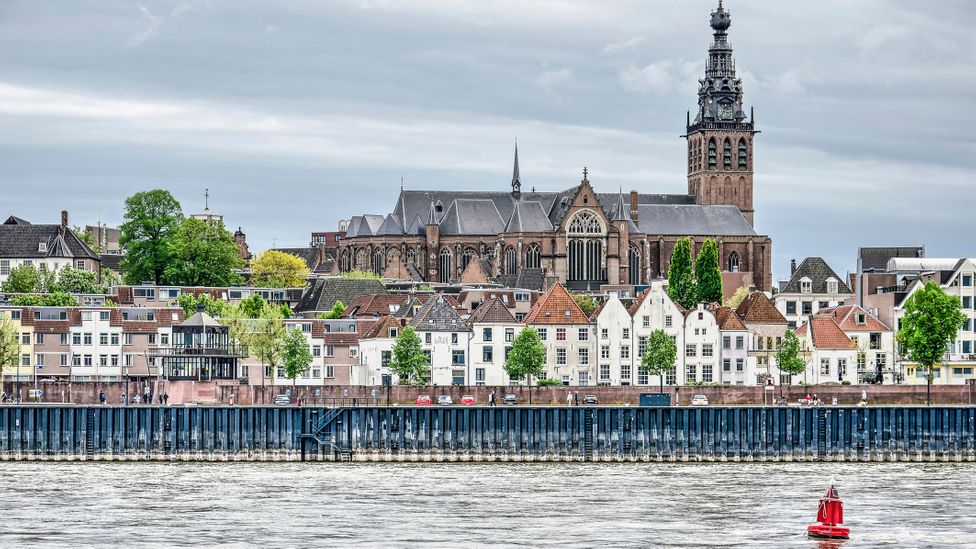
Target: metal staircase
(821, 433)
(324, 431)
(588, 434)
(90, 434)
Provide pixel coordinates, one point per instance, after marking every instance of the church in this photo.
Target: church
(580, 237)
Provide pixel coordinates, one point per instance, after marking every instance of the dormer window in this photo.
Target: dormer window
(42, 247)
(831, 286)
(439, 207)
(806, 286)
(393, 332)
(862, 319)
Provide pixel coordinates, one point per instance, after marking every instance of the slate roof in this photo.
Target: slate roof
(817, 270)
(556, 307)
(528, 217)
(113, 262)
(324, 292)
(668, 219)
(364, 225)
(437, 315)
(524, 279)
(492, 312)
(391, 226)
(201, 319)
(758, 309)
(20, 239)
(374, 305)
(472, 217)
(825, 334)
(14, 220)
(875, 259)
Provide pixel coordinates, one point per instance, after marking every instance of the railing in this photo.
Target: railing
(229, 350)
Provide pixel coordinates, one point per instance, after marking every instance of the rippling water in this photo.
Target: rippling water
(394, 505)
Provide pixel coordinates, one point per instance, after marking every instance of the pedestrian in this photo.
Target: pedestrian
(146, 394)
(165, 399)
(101, 398)
(816, 400)
(491, 398)
(135, 399)
(809, 400)
(569, 398)
(864, 396)
(576, 398)
(122, 398)
(160, 397)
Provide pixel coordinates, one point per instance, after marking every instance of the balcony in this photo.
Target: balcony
(227, 350)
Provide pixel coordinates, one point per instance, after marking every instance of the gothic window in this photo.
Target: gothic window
(727, 155)
(344, 261)
(712, 154)
(469, 254)
(533, 257)
(585, 223)
(439, 207)
(743, 155)
(634, 265)
(511, 264)
(445, 265)
(379, 262)
(734, 262)
(586, 259)
(362, 258)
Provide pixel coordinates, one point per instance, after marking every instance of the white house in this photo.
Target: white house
(812, 286)
(494, 329)
(567, 335)
(653, 310)
(700, 352)
(46, 247)
(737, 367)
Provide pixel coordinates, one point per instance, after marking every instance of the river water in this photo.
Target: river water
(464, 505)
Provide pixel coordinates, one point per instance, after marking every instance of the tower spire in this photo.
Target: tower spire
(516, 178)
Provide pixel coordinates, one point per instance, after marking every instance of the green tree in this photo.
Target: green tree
(788, 358)
(23, 279)
(274, 269)
(336, 313)
(370, 275)
(253, 306)
(267, 341)
(150, 220)
(203, 254)
(409, 361)
(77, 281)
(708, 274)
(295, 356)
(189, 302)
(56, 299)
(527, 357)
(586, 303)
(931, 321)
(109, 278)
(9, 345)
(88, 237)
(740, 295)
(660, 356)
(681, 276)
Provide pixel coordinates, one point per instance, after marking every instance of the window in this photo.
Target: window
(646, 321)
(76, 339)
(824, 366)
(509, 335)
(103, 339)
(823, 305)
(706, 373)
(103, 360)
(479, 375)
(727, 364)
(4, 267)
(667, 321)
(584, 379)
(25, 360)
(14, 315)
(604, 352)
(64, 359)
(624, 371)
(543, 333)
(584, 334)
(604, 333)
(605, 372)
(38, 338)
(726, 342)
(152, 339)
(584, 356)
(102, 315)
(712, 154)
(428, 338)
(841, 368)
(691, 350)
(88, 339)
(329, 371)
(791, 307)
(560, 334)
(807, 307)
(641, 345)
(454, 338)
(743, 155)
(707, 350)
(739, 342)
(739, 365)
(626, 333)
(329, 351)
(561, 355)
(353, 351)
(967, 302)
(967, 280)
(87, 360)
(734, 262)
(691, 373)
(457, 358)
(385, 357)
(76, 360)
(625, 351)
(806, 286)
(831, 286)
(486, 334)
(487, 354)
(146, 293)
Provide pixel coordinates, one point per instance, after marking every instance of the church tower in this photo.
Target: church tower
(720, 160)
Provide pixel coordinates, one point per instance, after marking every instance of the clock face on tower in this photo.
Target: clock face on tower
(725, 111)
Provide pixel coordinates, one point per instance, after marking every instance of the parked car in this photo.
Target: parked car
(468, 400)
(699, 400)
(510, 400)
(590, 399)
(282, 400)
(423, 400)
(444, 400)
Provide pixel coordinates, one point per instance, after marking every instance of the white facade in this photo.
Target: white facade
(799, 307)
(737, 367)
(570, 353)
(490, 345)
(700, 351)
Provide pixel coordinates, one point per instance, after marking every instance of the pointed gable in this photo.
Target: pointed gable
(826, 334)
(437, 315)
(758, 309)
(492, 312)
(727, 320)
(556, 306)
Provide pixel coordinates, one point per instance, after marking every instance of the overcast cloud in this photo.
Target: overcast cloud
(296, 114)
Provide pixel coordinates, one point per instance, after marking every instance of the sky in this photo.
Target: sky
(295, 114)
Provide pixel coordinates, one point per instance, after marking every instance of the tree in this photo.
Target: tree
(408, 359)
(585, 302)
(267, 342)
(788, 358)
(76, 281)
(660, 356)
(189, 303)
(9, 345)
(708, 274)
(88, 237)
(253, 306)
(740, 295)
(56, 299)
(336, 313)
(527, 357)
(150, 220)
(370, 275)
(295, 356)
(22, 279)
(274, 269)
(203, 253)
(931, 321)
(681, 276)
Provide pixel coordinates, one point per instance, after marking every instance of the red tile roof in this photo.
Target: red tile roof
(826, 334)
(758, 309)
(846, 318)
(375, 305)
(727, 319)
(493, 312)
(381, 328)
(556, 307)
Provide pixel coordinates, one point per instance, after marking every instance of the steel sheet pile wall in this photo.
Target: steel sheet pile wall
(489, 434)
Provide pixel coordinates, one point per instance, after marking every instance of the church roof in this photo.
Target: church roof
(697, 220)
(528, 217)
(472, 217)
(364, 225)
(391, 226)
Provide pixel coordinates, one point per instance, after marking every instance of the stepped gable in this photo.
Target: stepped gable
(556, 306)
(437, 315)
(492, 312)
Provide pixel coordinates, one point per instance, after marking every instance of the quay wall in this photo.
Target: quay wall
(229, 392)
(523, 433)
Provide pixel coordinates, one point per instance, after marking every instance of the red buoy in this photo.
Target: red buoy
(830, 515)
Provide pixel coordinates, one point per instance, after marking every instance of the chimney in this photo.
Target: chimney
(64, 219)
(633, 206)
(792, 267)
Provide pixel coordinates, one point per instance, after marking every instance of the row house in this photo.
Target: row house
(90, 344)
(493, 329)
(567, 334)
(813, 286)
(152, 295)
(767, 326)
(335, 349)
